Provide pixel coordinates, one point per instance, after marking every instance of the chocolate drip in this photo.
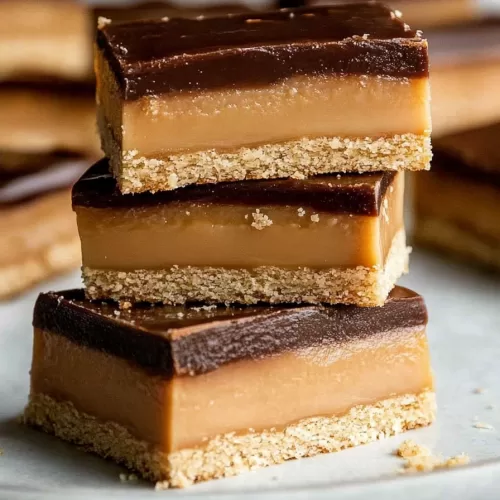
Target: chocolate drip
(359, 194)
(186, 340)
(153, 57)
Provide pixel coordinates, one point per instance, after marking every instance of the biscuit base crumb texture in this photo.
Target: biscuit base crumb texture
(453, 240)
(230, 454)
(297, 159)
(362, 286)
(56, 258)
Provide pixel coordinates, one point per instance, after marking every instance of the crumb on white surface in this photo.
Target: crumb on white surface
(125, 478)
(260, 221)
(483, 425)
(479, 390)
(420, 458)
(410, 448)
(161, 486)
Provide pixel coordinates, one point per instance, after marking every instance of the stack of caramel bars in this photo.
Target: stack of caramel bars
(241, 243)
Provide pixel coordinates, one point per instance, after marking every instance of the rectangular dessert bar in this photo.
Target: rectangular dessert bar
(202, 393)
(279, 94)
(38, 234)
(458, 203)
(42, 118)
(43, 39)
(334, 239)
(465, 76)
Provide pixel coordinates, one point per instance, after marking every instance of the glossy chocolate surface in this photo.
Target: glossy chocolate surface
(181, 340)
(157, 10)
(154, 57)
(357, 194)
(44, 174)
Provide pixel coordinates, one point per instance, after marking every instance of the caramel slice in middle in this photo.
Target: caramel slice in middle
(333, 239)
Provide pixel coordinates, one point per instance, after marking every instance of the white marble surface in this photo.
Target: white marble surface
(464, 334)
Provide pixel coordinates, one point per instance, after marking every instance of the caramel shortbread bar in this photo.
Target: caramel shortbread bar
(465, 76)
(38, 234)
(40, 118)
(334, 239)
(201, 392)
(280, 94)
(45, 39)
(458, 204)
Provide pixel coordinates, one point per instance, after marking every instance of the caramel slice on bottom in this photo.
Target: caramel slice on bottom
(206, 392)
(335, 239)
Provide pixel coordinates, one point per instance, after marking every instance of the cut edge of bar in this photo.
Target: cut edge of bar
(361, 286)
(231, 454)
(297, 159)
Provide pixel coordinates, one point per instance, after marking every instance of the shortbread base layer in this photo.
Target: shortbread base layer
(57, 258)
(362, 286)
(452, 240)
(299, 159)
(231, 454)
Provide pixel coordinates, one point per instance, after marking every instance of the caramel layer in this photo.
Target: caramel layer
(424, 13)
(45, 38)
(472, 206)
(187, 234)
(227, 119)
(44, 121)
(464, 95)
(253, 394)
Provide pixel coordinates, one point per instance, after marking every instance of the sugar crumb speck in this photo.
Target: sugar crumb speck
(419, 458)
(260, 221)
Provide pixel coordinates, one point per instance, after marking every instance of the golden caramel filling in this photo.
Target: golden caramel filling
(469, 204)
(237, 236)
(243, 395)
(430, 13)
(464, 95)
(37, 122)
(48, 38)
(227, 119)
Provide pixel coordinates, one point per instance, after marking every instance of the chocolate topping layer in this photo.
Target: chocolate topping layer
(24, 185)
(178, 340)
(359, 194)
(154, 57)
(157, 10)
